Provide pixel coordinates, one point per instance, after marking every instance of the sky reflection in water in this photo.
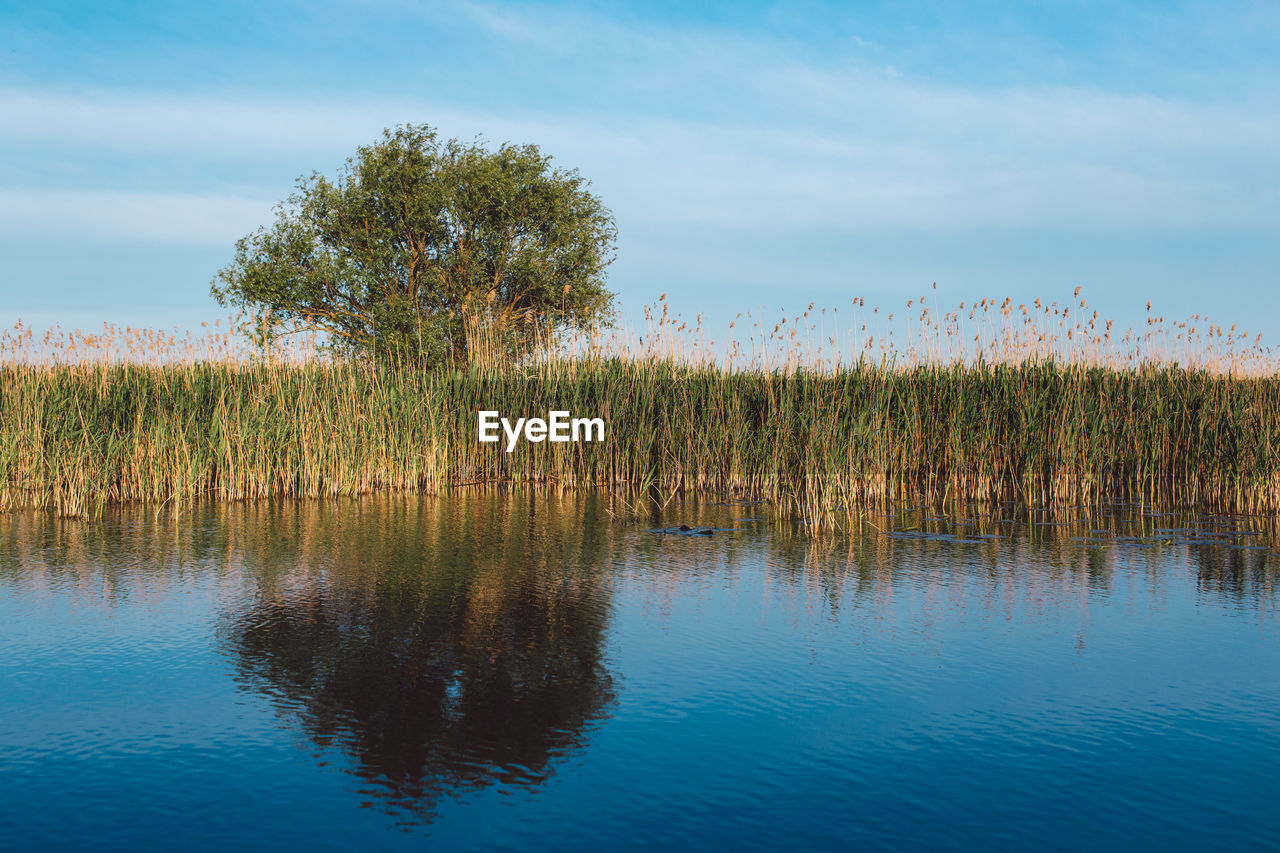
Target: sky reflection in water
(529, 670)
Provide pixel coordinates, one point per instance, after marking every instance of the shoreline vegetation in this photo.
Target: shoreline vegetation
(822, 414)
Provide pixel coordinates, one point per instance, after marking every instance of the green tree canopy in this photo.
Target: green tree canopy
(419, 247)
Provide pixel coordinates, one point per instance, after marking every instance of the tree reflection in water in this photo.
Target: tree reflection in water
(442, 647)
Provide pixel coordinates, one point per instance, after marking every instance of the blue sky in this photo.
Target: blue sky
(752, 153)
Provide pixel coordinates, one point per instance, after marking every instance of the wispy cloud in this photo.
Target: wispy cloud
(64, 216)
(182, 125)
(905, 156)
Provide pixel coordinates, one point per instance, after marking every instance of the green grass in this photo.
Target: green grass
(74, 437)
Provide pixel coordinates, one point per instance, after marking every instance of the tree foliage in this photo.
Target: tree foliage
(420, 247)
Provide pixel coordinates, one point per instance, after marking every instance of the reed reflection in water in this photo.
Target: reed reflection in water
(515, 670)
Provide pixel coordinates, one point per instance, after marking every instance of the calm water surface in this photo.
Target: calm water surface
(534, 671)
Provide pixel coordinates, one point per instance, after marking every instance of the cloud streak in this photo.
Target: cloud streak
(904, 157)
(55, 217)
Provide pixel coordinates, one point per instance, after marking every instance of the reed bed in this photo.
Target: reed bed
(995, 402)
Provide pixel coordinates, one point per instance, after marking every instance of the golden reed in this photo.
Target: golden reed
(1037, 403)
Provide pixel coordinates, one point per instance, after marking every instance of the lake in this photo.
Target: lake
(560, 671)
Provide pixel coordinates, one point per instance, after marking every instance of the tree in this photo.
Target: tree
(418, 247)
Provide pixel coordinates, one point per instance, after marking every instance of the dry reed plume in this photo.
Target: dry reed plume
(1042, 404)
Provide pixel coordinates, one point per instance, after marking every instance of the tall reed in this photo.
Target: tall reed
(1025, 412)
